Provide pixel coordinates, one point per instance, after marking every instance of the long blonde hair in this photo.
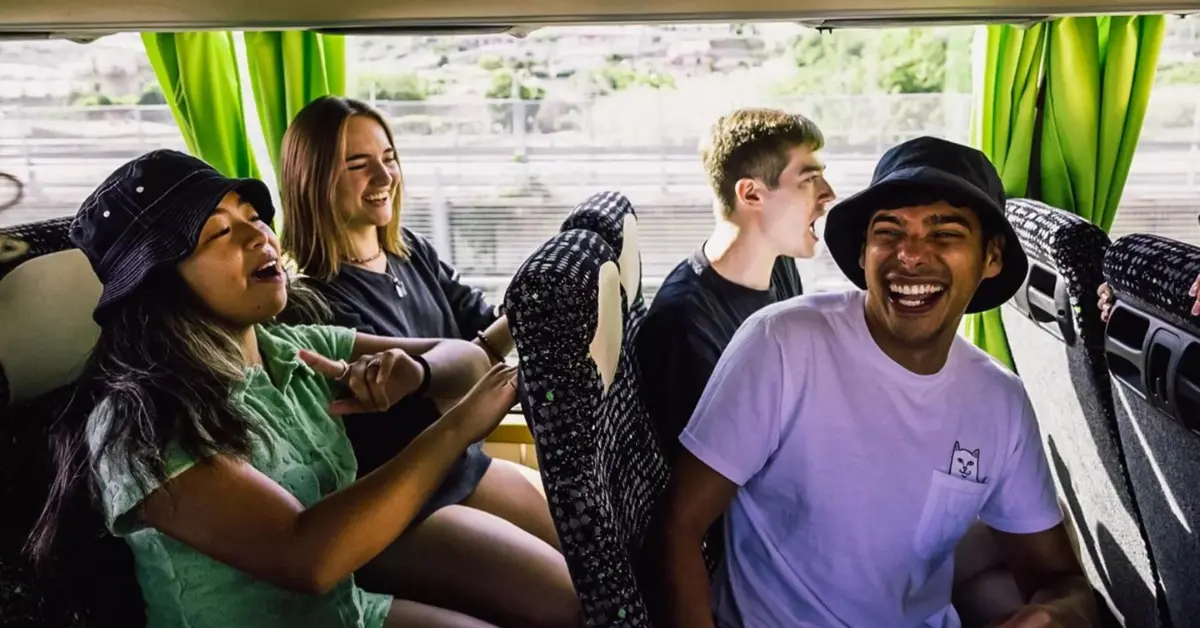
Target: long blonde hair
(313, 234)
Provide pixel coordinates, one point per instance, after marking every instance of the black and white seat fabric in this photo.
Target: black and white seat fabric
(47, 293)
(612, 215)
(1057, 342)
(1153, 352)
(599, 460)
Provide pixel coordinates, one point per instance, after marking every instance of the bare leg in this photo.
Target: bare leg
(406, 614)
(506, 492)
(474, 562)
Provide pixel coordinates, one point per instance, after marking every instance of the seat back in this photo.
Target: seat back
(1152, 344)
(47, 294)
(1057, 342)
(611, 215)
(599, 460)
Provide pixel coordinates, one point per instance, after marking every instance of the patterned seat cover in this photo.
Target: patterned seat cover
(606, 213)
(612, 215)
(1152, 275)
(599, 460)
(1068, 383)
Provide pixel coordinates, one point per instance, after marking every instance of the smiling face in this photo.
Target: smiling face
(369, 182)
(787, 213)
(235, 269)
(923, 265)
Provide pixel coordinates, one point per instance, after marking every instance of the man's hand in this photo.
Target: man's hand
(377, 381)
(1040, 616)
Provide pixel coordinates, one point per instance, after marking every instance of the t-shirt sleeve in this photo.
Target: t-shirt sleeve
(333, 342)
(1024, 500)
(735, 428)
(675, 362)
(122, 488)
(471, 309)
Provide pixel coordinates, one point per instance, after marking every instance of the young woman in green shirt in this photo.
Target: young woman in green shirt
(215, 447)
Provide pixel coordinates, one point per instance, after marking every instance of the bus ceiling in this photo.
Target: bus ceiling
(84, 20)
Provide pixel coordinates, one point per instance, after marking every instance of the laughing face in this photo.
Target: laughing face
(923, 265)
(368, 185)
(235, 269)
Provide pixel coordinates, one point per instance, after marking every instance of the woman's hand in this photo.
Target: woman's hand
(1106, 301)
(376, 381)
(482, 409)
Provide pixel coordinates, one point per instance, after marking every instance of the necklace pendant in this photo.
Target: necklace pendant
(400, 289)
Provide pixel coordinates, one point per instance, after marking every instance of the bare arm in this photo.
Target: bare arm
(454, 365)
(499, 340)
(1050, 578)
(695, 497)
(226, 509)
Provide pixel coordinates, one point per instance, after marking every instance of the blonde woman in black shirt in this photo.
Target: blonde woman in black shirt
(484, 544)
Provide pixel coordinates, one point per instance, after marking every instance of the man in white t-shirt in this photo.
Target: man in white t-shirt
(853, 438)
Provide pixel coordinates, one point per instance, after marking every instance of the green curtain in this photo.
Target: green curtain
(199, 77)
(288, 70)
(1099, 73)
(1008, 68)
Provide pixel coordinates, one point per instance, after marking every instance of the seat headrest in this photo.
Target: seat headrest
(612, 215)
(1048, 234)
(564, 302)
(1156, 273)
(46, 302)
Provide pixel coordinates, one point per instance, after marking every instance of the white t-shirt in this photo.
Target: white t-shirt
(857, 476)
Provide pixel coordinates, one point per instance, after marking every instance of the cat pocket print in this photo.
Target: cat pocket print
(964, 463)
(952, 504)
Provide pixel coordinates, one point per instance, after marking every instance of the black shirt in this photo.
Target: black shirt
(419, 297)
(691, 320)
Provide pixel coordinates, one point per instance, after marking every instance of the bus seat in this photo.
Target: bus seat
(1057, 342)
(612, 215)
(601, 466)
(1152, 343)
(46, 332)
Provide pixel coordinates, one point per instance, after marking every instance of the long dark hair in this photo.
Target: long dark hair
(165, 366)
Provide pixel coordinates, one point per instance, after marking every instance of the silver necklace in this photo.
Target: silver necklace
(401, 291)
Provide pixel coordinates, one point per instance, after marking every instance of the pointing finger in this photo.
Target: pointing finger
(332, 369)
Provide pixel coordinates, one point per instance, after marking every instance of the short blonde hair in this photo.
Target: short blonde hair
(753, 143)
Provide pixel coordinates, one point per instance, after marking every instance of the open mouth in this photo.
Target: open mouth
(915, 298)
(377, 198)
(271, 271)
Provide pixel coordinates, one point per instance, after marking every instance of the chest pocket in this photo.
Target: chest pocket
(951, 506)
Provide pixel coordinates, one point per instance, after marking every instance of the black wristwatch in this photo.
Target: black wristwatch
(426, 376)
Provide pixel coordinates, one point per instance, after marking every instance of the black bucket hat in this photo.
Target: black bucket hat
(149, 213)
(918, 169)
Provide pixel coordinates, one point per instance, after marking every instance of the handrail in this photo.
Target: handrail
(11, 248)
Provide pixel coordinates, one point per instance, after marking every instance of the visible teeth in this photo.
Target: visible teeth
(376, 197)
(921, 289)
